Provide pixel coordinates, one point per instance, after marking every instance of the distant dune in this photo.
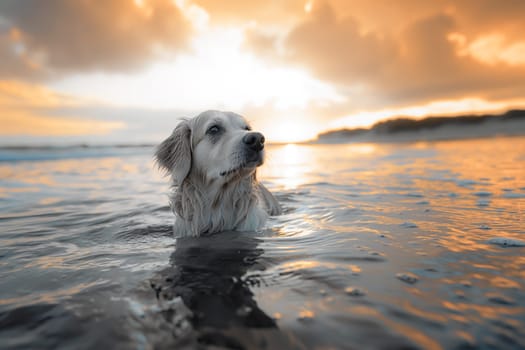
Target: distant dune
(511, 123)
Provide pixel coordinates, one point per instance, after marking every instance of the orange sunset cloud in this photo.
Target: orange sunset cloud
(137, 66)
(24, 109)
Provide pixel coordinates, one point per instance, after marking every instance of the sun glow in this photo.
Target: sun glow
(308, 6)
(288, 165)
(216, 74)
(290, 131)
(144, 7)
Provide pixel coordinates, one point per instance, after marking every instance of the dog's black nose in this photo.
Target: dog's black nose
(254, 140)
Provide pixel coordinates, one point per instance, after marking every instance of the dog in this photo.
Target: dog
(212, 159)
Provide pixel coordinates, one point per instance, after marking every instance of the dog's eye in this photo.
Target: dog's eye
(247, 128)
(213, 130)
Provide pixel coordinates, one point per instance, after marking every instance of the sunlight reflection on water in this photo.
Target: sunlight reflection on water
(425, 206)
(381, 245)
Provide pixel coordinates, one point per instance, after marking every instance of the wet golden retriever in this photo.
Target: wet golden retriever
(212, 159)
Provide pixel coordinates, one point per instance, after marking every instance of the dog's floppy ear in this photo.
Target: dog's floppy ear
(174, 153)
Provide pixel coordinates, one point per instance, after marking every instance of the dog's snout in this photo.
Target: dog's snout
(254, 140)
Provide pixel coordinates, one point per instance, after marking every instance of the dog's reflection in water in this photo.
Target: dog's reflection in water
(213, 276)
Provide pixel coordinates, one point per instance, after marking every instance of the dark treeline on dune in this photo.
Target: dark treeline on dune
(433, 127)
(406, 124)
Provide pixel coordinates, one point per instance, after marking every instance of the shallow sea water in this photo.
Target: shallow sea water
(382, 246)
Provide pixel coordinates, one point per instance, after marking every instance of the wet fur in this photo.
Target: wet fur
(203, 200)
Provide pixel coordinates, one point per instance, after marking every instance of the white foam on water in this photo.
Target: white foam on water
(506, 242)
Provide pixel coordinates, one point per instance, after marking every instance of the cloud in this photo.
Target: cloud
(22, 123)
(485, 16)
(39, 38)
(269, 12)
(29, 110)
(414, 59)
(302, 61)
(36, 115)
(335, 48)
(16, 94)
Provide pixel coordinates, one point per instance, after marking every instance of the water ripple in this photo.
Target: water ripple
(386, 246)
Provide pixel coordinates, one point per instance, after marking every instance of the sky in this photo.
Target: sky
(125, 71)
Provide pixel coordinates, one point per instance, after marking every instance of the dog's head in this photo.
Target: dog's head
(214, 146)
